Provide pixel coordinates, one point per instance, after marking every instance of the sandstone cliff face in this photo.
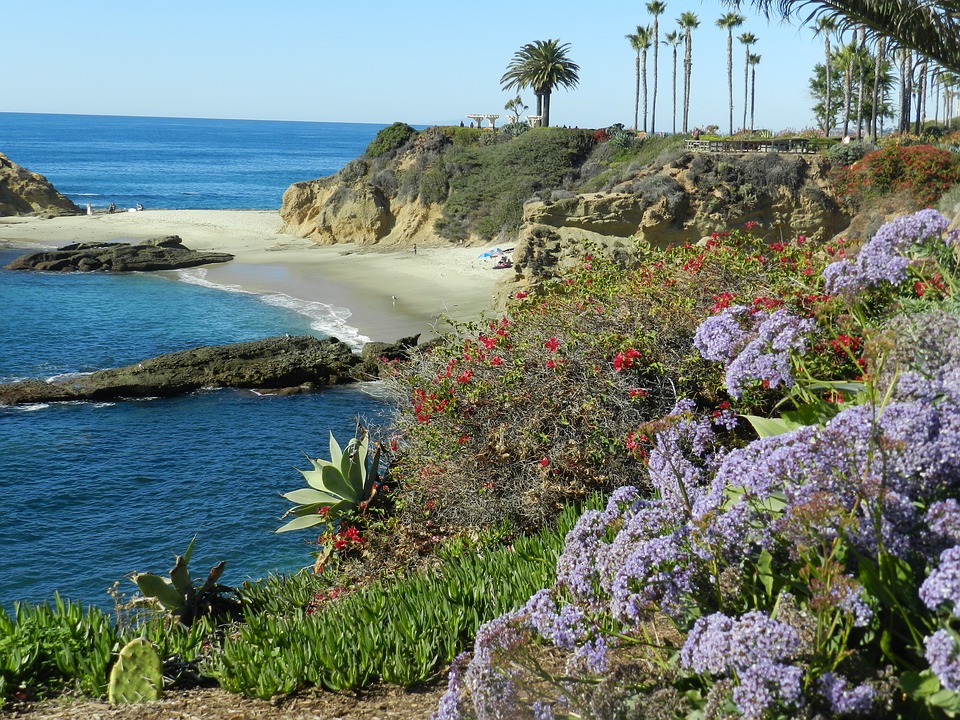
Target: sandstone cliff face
(332, 211)
(26, 193)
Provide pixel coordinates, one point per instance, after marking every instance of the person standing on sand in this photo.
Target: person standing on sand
(89, 209)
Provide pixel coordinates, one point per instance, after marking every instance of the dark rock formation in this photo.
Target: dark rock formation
(375, 355)
(26, 193)
(273, 363)
(166, 253)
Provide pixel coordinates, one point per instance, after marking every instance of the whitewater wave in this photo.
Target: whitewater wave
(326, 319)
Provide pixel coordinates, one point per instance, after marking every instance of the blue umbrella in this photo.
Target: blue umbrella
(491, 253)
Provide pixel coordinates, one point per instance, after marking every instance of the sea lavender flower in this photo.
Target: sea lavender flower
(766, 685)
(885, 258)
(721, 337)
(766, 357)
(722, 645)
(450, 703)
(542, 711)
(657, 574)
(564, 627)
(940, 650)
(943, 583)
(591, 657)
(943, 519)
(845, 700)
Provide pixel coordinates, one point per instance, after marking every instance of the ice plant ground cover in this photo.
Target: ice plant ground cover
(810, 571)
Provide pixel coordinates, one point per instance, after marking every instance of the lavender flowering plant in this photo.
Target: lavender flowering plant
(810, 573)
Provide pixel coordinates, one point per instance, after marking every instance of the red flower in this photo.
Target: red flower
(544, 462)
(496, 360)
(520, 295)
(638, 393)
(552, 344)
(465, 376)
(551, 364)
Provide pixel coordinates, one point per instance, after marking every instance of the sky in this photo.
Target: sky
(424, 63)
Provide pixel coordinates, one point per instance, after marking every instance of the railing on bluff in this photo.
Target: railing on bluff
(788, 145)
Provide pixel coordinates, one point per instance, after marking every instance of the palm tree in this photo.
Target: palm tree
(655, 8)
(748, 39)
(930, 27)
(847, 55)
(688, 22)
(862, 65)
(826, 26)
(673, 40)
(640, 42)
(728, 22)
(753, 61)
(542, 66)
(877, 66)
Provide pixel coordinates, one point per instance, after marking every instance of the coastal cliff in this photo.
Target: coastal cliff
(550, 191)
(26, 193)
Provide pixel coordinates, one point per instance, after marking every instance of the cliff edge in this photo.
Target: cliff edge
(26, 193)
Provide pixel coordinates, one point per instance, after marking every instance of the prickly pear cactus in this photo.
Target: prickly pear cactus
(137, 676)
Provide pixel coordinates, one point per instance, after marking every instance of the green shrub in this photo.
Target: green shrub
(390, 138)
(848, 153)
(490, 182)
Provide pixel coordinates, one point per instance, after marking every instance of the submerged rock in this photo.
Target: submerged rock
(163, 253)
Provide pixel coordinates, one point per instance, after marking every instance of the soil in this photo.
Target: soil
(376, 703)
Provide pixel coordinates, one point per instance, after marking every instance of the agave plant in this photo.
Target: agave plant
(339, 485)
(178, 595)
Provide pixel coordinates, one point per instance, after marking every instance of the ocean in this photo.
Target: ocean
(95, 491)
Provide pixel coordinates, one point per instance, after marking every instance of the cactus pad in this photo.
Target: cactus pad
(137, 676)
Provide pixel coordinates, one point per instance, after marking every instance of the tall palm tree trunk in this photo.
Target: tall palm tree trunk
(656, 73)
(877, 66)
(674, 89)
(746, 83)
(730, 75)
(687, 66)
(863, 76)
(636, 102)
(828, 118)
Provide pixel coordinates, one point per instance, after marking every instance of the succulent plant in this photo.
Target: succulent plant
(137, 676)
(343, 483)
(178, 595)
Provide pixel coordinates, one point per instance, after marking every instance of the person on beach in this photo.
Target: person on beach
(139, 207)
(89, 209)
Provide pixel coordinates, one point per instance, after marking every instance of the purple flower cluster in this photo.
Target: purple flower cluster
(754, 648)
(943, 584)
(941, 651)
(885, 258)
(755, 347)
(845, 700)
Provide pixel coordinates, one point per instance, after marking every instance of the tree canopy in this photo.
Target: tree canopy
(931, 27)
(542, 66)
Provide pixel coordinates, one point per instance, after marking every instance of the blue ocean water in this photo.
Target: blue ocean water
(178, 163)
(94, 491)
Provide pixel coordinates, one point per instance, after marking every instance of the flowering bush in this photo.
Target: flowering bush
(921, 171)
(810, 573)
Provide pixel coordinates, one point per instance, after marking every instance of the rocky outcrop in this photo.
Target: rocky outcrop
(273, 363)
(166, 253)
(26, 193)
(278, 365)
(331, 211)
(683, 201)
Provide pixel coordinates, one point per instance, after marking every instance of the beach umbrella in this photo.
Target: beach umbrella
(491, 253)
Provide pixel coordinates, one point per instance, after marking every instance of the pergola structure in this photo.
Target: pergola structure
(534, 120)
(478, 120)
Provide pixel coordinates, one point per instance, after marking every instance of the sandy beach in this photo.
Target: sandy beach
(380, 295)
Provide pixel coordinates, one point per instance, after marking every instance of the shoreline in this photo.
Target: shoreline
(380, 294)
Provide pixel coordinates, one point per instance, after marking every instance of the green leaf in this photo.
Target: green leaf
(336, 454)
(160, 588)
(765, 571)
(180, 575)
(947, 700)
(301, 523)
(768, 427)
(306, 496)
(335, 483)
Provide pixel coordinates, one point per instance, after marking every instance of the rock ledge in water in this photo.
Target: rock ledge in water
(164, 253)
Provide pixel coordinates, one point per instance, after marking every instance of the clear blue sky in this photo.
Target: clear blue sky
(425, 62)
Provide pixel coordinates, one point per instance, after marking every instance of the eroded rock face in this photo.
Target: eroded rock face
(165, 253)
(26, 193)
